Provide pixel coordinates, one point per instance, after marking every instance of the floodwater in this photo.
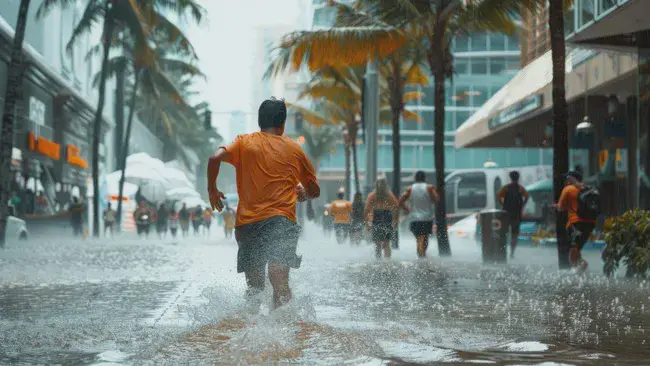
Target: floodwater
(128, 302)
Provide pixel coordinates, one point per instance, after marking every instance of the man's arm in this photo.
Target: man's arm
(501, 195)
(561, 203)
(214, 165)
(402, 200)
(524, 193)
(308, 178)
(433, 193)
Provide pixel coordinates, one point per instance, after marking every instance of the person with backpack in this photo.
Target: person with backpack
(582, 204)
(513, 197)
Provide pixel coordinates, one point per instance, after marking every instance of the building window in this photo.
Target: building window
(569, 20)
(461, 97)
(513, 42)
(497, 42)
(512, 64)
(462, 117)
(461, 66)
(587, 12)
(461, 43)
(450, 125)
(497, 65)
(479, 42)
(605, 5)
(479, 95)
(479, 66)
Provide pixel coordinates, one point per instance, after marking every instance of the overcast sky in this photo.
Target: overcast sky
(224, 45)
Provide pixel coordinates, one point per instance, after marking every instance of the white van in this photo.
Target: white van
(468, 191)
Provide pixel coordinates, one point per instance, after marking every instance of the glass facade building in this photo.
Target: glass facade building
(483, 64)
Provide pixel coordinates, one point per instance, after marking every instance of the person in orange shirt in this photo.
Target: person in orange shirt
(382, 216)
(341, 212)
(273, 173)
(579, 227)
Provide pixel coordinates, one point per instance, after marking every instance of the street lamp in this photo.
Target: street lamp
(585, 126)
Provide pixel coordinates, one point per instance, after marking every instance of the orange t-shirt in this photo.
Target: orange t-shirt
(569, 203)
(268, 169)
(341, 211)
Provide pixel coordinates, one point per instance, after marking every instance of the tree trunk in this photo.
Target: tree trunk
(397, 162)
(125, 147)
(355, 159)
(560, 115)
(436, 63)
(14, 82)
(347, 169)
(109, 26)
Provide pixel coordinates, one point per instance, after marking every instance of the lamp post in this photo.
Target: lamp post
(371, 119)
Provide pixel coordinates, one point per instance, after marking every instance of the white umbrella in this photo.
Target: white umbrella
(113, 188)
(152, 185)
(177, 178)
(177, 194)
(144, 161)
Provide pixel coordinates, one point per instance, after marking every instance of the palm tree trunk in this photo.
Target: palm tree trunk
(125, 147)
(347, 169)
(437, 64)
(14, 81)
(397, 163)
(109, 26)
(560, 129)
(355, 160)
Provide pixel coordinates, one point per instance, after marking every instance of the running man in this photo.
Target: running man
(341, 210)
(513, 197)
(579, 228)
(273, 173)
(421, 197)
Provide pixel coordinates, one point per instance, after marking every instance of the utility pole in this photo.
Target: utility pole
(371, 119)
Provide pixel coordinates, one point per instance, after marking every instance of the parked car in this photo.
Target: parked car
(466, 228)
(16, 228)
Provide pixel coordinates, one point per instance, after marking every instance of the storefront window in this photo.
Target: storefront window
(479, 42)
(587, 12)
(479, 66)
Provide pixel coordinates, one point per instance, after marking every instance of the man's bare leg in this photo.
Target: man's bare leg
(255, 278)
(421, 239)
(386, 246)
(279, 277)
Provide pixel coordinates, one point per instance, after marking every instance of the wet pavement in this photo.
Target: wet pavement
(132, 301)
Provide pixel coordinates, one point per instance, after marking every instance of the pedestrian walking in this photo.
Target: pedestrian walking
(162, 219)
(513, 197)
(382, 216)
(173, 222)
(184, 220)
(228, 215)
(207, 221)
(341, 210)
(421, 197)
(582, 204)
(273, 174)
(109, 220)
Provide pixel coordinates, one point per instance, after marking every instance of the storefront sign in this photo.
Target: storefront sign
(36, 111)
(74, 157)
(44, 146)
(524, 107)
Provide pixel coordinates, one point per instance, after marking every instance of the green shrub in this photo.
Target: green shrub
(628, 240)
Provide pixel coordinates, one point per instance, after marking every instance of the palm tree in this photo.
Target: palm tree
(11, 98)
(136, 16)
(319, 142)
(560, 116)
(391, 25)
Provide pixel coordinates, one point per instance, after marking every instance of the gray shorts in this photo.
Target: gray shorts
(274, 239)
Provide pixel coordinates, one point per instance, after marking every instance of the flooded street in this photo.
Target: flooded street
(159, 302)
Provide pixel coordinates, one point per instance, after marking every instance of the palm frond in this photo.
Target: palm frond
(310, 116)
(93, 14)
(47, 6)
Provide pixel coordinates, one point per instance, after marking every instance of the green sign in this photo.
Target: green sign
(521, 108)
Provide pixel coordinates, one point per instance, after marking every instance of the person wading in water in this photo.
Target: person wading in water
(382, 212)
(273, 173)
(421, 197)
(513, 197)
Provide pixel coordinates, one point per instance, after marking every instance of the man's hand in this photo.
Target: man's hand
(301, 193)
(216, 198)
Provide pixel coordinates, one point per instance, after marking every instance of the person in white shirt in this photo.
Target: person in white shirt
(421, 197)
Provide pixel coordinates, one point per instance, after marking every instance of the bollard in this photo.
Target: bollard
(493, 236)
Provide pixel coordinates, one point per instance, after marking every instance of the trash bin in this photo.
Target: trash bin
(493, 236)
